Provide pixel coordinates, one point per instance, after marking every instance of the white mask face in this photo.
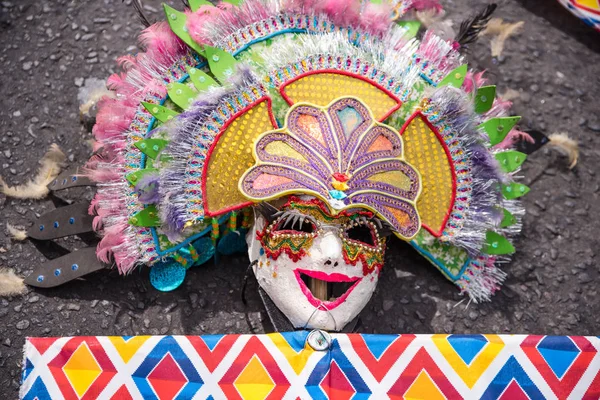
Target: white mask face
(320, 273)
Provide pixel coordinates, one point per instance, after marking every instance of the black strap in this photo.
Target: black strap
(68, 179)
(540, 139)
(278, 319)
(66, 268)
(64, 221)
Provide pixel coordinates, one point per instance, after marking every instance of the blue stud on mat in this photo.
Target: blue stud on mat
(71, 220)
(74, 267)
(57, 272)
(56, 224)
(167, 276)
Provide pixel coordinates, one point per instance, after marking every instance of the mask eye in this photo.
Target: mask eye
(363, 232)
(294, 224)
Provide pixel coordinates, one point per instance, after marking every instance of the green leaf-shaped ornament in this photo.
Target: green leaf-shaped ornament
(181, 94)
(161, 113)
(508, 219)
(510, 160)
(201, 80)
(196, 4)
(148, 217)
(498, 128)
(134, 177)
(456, 77)
(151, 147)
(177, 20)
(496, 244)
(484, 99)
(221, 63)
(514, 191)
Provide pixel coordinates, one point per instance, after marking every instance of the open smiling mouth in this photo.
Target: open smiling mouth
(329, 290)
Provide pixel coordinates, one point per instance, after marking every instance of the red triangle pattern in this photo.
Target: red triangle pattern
(379, 368)
(336, 385)
(513, 392)
(422, 361)
(213, 358)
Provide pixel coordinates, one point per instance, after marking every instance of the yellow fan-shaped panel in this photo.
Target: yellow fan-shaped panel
(426, 151)
(321, 88)
(230, 156)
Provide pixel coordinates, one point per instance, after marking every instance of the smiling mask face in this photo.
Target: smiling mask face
(320, 270)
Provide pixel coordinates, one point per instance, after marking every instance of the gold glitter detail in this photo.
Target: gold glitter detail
(423, 151)
(232, 156)
(395, 178)
(281, 149)
(322, 89)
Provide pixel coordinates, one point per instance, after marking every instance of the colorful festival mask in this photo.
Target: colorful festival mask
(313, 131)
(586, 10)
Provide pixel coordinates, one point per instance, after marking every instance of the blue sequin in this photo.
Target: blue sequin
(41, 227)
(64, 181)
(337, 194)
(71, 220)
(40, 278)
(74, 178)
(74, 267)
(57, 272)
(56, 225)
(261, 251)
(167, 276)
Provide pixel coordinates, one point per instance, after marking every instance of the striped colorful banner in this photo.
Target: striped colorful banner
(284, 365)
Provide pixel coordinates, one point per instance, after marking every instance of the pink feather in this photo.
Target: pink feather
(197, 19)
(97, 224)
(341, 12)
(104, 175)
(104, 250)
(500, 108)
(161, 43)
(474, 81)
(376, 18)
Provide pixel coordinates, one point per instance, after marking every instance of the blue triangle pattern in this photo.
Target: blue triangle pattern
(559, 352)
(324, 365)
(512, 370)
(467, 346)
(168, 344)
(126, 338)
(378, 344)
(38, 391)
(296, 339)
(211, 340)
(27, 370)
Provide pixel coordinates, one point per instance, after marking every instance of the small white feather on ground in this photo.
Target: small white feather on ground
(499, 31)
(51, 165)
(10, 284)
(566, 146)
(16, 233)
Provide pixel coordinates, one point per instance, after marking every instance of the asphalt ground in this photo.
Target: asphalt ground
(49, 48)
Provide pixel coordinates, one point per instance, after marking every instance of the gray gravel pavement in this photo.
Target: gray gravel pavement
(49, 47)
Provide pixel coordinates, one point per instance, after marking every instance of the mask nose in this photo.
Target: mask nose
(331, 247)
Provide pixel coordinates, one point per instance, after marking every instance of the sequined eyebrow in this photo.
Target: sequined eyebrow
(296, 218)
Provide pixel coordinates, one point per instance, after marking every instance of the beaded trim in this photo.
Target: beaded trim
(462, 171)
(355, 66)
